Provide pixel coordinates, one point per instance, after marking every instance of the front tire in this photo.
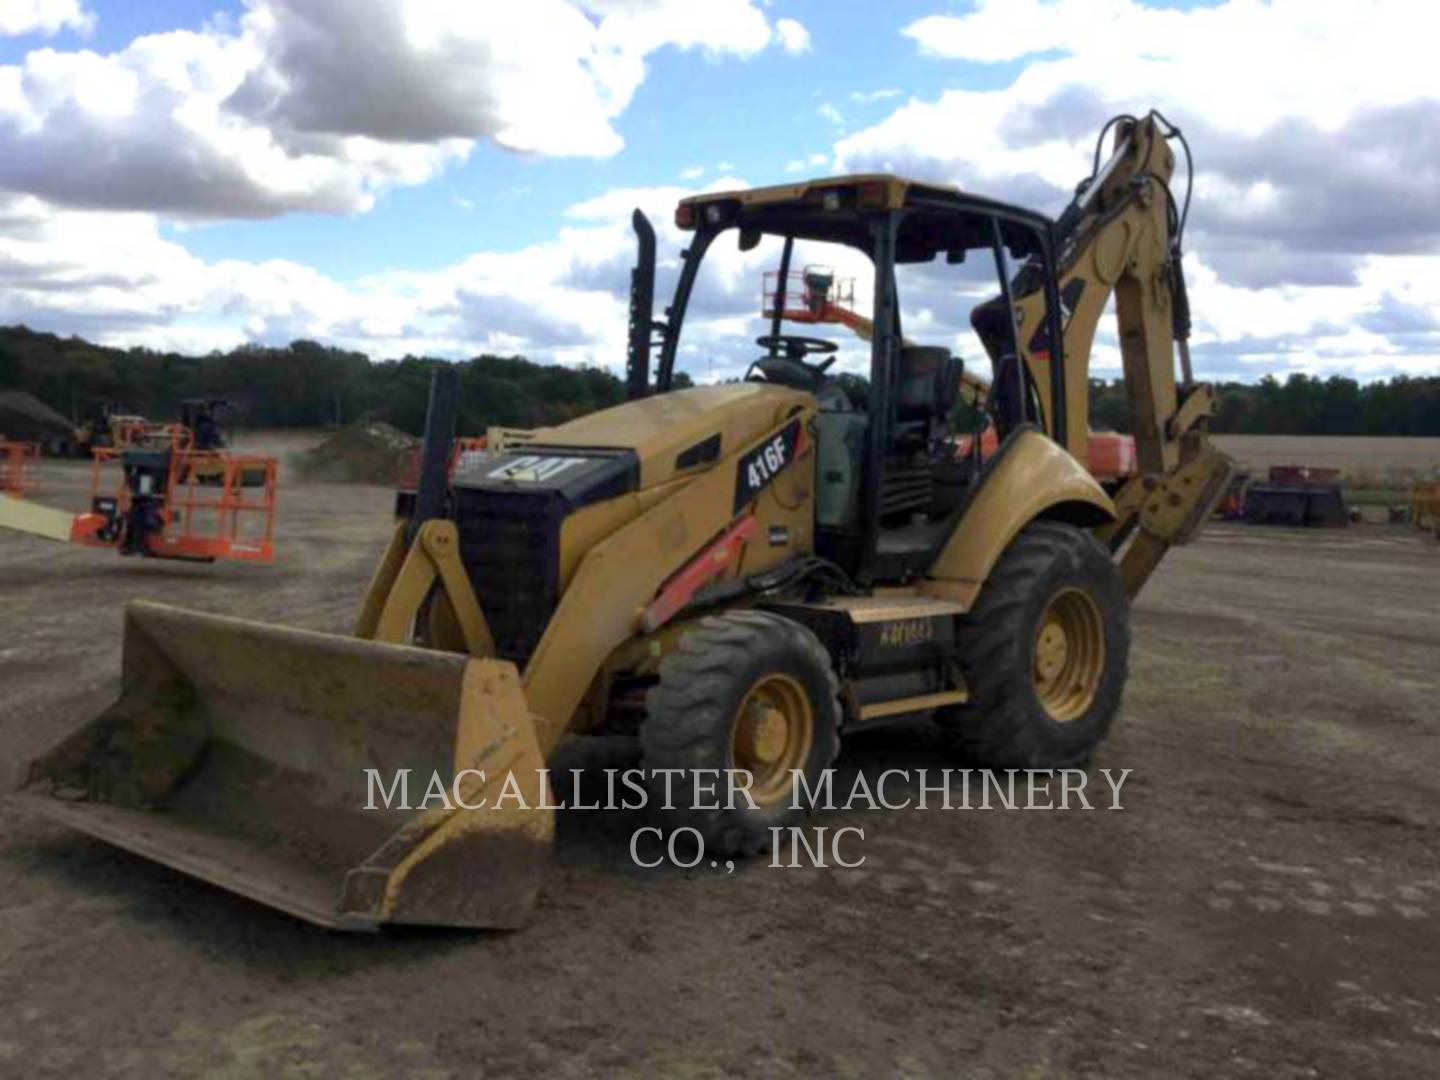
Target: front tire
(1045, 653)
(746, 690)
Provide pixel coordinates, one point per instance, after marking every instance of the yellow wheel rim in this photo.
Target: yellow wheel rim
(1069, 655)
(772, 734)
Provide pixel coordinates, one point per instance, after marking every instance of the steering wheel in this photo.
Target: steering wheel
(797, 348)
(790, 369)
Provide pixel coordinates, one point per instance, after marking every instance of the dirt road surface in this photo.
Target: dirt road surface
(1266, 904)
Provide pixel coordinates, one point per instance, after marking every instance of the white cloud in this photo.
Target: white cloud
(794, 38)
(171, 143)
(1243, 64)
(322, 104)
(117, 279)
(1312, 244)
(43, 17)
(544, 77)
(1317, 134)
(810, 161)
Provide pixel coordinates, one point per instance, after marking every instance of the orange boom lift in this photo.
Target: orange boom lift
(157, 496)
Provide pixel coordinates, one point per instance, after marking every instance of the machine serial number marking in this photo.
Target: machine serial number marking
(761, 465)
(906, 632)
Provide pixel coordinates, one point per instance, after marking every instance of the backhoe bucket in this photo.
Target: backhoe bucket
(346, 782)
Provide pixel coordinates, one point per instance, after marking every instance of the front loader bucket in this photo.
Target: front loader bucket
(273, 762)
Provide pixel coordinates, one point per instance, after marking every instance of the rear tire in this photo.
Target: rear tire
(1045, 654)
(747, 690)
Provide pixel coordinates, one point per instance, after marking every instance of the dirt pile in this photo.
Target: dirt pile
(24, 416)
(371, 452)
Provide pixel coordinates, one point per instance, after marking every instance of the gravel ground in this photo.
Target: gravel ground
(1266, 904)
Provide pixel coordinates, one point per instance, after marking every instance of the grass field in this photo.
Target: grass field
(1368, 461)
(1378, 471)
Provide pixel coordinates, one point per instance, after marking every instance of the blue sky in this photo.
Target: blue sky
(755, 114)
(407, 175)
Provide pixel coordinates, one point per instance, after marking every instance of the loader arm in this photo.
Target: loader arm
(1121, 237)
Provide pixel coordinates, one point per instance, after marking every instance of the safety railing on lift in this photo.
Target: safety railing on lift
(215, 504)
(813, 294)
(18, 475)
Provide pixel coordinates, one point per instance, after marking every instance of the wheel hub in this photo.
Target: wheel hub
(1052, 648)
(764, 730)
(772, 735)
(1069, 654)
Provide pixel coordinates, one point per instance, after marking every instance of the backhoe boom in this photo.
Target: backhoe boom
(1121, 237)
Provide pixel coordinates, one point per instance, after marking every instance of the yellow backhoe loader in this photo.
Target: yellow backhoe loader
(738, 573)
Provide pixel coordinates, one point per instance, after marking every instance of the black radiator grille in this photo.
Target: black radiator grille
(510, 545)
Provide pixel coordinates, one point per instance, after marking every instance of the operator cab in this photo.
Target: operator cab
(921, 476)
(891, 471)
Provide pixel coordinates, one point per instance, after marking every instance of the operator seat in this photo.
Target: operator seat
(992, 324)
(927, 379)
(926, 382)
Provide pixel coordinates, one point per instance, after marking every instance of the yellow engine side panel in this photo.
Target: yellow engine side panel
(590, 525)
(1034, 475)
(785, 514)
(611, 582)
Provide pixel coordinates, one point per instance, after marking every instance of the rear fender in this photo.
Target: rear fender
(1029, 477)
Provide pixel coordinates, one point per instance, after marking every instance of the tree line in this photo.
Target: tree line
(1301, 405)
(306, 384)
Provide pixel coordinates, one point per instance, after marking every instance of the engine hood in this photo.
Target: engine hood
(681, 432)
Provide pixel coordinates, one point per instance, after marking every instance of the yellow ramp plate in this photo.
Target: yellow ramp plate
(37, 520)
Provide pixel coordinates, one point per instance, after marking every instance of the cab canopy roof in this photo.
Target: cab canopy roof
(938, 217)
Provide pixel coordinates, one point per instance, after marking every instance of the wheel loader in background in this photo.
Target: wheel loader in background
(107, 425)
(739, 573)
(202, 418)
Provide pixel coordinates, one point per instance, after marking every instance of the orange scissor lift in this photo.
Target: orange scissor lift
(156, 496)
(466, 451)
(17, 466)
(463, 449)
(160, 497)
